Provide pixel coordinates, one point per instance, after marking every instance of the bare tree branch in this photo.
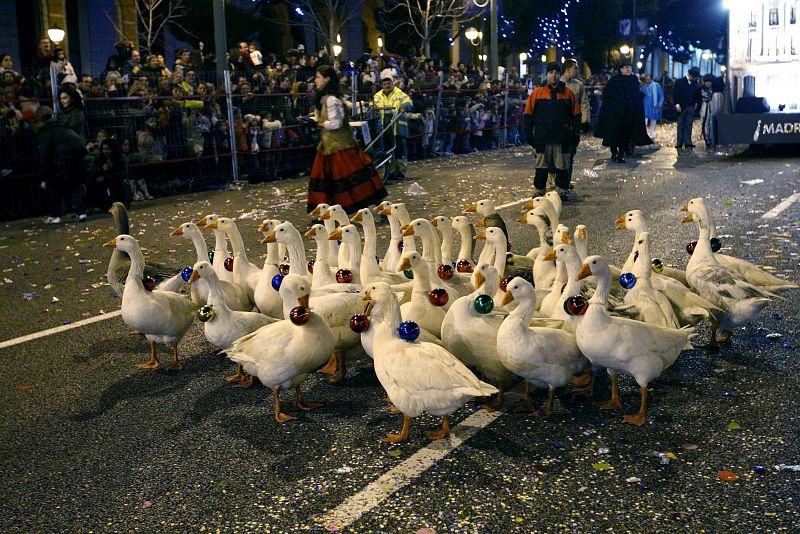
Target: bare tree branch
(429, 18)
(117, 28)
(326, 18)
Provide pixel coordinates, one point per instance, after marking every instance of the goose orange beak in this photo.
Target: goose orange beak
(472, 209)
(685, 207)
(479, 279)
(435, 222)
(303, 301)
(325, 216)
(551, 256)
(405, 263)
(357, 217)
(214, 225)
(269, 238)
(528, 205)
(621, 224)
(386, 211)
(408, 230)
(688, 218)
(194, 276)
(581, 233)
(336, 235)
(311, 233)
(110, 211)
(111, 244)
(263, 227)
(481, 235)
(523, 219)
(481, 224)
(202, 222)
(315, 212)
(565, 238)
(177, 231)
(507, 297)
(585, 272)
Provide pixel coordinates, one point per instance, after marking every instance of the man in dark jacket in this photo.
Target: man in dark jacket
(686, 96)
(621, 123)
(552, 123)
(61, 152)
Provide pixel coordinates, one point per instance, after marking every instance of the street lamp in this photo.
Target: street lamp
(523, 57)
(337, 49)
(380, 43)
(56, 34)
(544, 58)
(471, 33)
(624, 50)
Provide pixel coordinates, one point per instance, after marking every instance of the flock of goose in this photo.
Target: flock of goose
(432, 318)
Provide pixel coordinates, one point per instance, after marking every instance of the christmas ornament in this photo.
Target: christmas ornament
(359, 323)
(438, 296)
(504, 283)
(186, 273)
(657, 265)
(400, 247)
(210, 256)
(409, 273)
(483, 304)
(627, 280)
(344, 276)
(690, 247)
(408, 331)
(229, 264)
(206, 313)
(310, 266)
(300, 315)
(445, 272)
(464, 266)
(716, 244)
(283, 269)
(149, 283)
(576, 305)
(276, 282)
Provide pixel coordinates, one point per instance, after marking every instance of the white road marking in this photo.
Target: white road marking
(397, 478)
(58, 329)
(509, 204)
(783, 206)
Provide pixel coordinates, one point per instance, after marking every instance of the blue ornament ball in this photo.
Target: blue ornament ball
(276, 281)
(716, 244)
(408, 331)
(627, 280)
(483, 304)
(186, 273)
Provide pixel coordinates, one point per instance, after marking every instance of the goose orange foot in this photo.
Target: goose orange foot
(152, 363)
(329, 367)
(637, 419)
(612, 404)
(442, 432)
(245, 382)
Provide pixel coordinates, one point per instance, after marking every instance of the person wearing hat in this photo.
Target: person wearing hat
(686, 97)
(391, 96)
(570, 77)
(552, 123)
(621, 122)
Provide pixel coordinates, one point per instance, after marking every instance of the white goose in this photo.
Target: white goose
(369, 267)
(544, 357)
(417, 376)
(267, 300)
(489, 217)
(568, 255)
(722, 286)
(286, 234)
(561, 236)
(622, 345)
(752, 273)
(321, 274)
(162, 316)
(634, 220)
(235, 296)
(245, 273)
(581, 241)
(419, 309)
(543, 271)
(445, 228)
(220, 248)
(645, 303)
(392, 256)
(337, 214)
(330, 226)
(466, 233)
(282, 354)
(399, 211)
(472, 336)
(431, 253)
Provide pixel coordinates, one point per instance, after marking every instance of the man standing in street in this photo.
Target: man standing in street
(621, 122)
(576, 86)
(552, 123)
(391, 96)
(686, 96)
(653, 102)
(61, 152)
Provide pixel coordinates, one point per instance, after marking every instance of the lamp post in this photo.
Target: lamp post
(633, 32)
(493, 57)
(56, 34)
(523, 57)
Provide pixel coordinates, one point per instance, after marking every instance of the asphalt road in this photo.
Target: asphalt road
(89, 443)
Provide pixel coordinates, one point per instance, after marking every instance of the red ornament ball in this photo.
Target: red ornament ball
(310, 266)
(344, 276)
(445, 271)
(464, 266)
(504, 283)
(149, 283)
(283, 268)
(300, 315)
(438, 296)
(576, 305)
(228, 264)
(690, 247)
(359, 323)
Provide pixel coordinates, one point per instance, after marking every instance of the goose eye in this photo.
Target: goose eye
(641, 241)
(594, 262)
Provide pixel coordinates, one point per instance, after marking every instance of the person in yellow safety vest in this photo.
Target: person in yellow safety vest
(393, 97)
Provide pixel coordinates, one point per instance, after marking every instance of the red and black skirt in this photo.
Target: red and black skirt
(345, 177)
